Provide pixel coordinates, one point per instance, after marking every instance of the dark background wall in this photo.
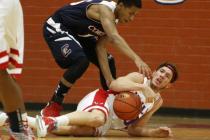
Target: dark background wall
(180, 34)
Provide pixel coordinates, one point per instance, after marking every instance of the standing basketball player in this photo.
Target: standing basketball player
(77, 34)
(95, 114)
(11, 59)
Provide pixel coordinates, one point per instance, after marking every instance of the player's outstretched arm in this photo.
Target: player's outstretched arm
(140, 130)
(130, 82)
(103, 61)
(107, 19)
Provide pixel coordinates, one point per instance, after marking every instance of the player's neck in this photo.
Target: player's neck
(154, 88)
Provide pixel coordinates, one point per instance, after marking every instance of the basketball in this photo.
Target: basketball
(127, 105)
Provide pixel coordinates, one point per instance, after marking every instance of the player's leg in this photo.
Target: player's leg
(92, 111)
(94, 118)
(78, 131)
(10, 92)
(12, 100)
(92, 56)
(69, 55)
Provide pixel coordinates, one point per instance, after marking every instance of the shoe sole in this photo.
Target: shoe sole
(41, 127)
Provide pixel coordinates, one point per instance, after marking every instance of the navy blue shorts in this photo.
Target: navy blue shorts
(64, 47)
(67, 49)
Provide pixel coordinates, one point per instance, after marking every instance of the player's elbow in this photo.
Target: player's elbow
(117, 85)
(114, 86)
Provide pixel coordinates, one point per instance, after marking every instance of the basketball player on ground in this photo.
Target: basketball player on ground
(95, 115)
(77, 34)
(11, 59)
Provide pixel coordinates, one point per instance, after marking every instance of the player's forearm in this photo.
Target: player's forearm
(141, 132)
(124, 85)
(148, 132)
(121, 44)
(103, 62)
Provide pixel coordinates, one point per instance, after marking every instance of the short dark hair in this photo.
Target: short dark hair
(129, 3)
(172, 67)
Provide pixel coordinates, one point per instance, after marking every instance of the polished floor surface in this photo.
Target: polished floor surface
(183, 128)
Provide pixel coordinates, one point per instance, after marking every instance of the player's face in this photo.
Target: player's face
(162, 77)
(127, 14)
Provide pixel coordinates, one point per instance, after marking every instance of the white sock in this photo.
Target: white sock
(24, 116)
(62, 120)
(3, 118)
(31, 121)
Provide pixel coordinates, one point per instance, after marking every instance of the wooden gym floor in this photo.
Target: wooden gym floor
(183, 128)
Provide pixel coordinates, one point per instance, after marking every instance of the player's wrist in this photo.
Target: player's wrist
(108, 82)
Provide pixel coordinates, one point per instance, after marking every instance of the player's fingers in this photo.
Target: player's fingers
(140, 69)
(143, 70)
(165, 128)
(147, 72)
(150, 73)
(170, 134)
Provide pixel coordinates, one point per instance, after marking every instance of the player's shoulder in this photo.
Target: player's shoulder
(136, 74)
(106, 7)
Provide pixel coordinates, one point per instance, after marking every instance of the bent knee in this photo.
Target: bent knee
(97, 118)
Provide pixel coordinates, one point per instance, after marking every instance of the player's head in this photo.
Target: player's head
(127, 9)
(165, 74)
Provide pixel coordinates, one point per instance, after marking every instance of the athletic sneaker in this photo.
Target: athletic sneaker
(26, 135)
(51, 110)
(44, 125)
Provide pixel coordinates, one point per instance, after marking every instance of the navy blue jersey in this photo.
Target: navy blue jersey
(73, 18)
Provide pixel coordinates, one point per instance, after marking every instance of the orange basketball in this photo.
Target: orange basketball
(127, 105)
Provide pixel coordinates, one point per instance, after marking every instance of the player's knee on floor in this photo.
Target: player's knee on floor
(76, 70)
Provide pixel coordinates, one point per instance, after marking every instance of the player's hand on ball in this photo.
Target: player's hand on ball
(163, 132)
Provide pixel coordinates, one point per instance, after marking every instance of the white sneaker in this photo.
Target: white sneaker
(3, 118)
(41, 128)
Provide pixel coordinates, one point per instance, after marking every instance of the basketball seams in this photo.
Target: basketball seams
(125, 111)
(127, 103)
(127, 106)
